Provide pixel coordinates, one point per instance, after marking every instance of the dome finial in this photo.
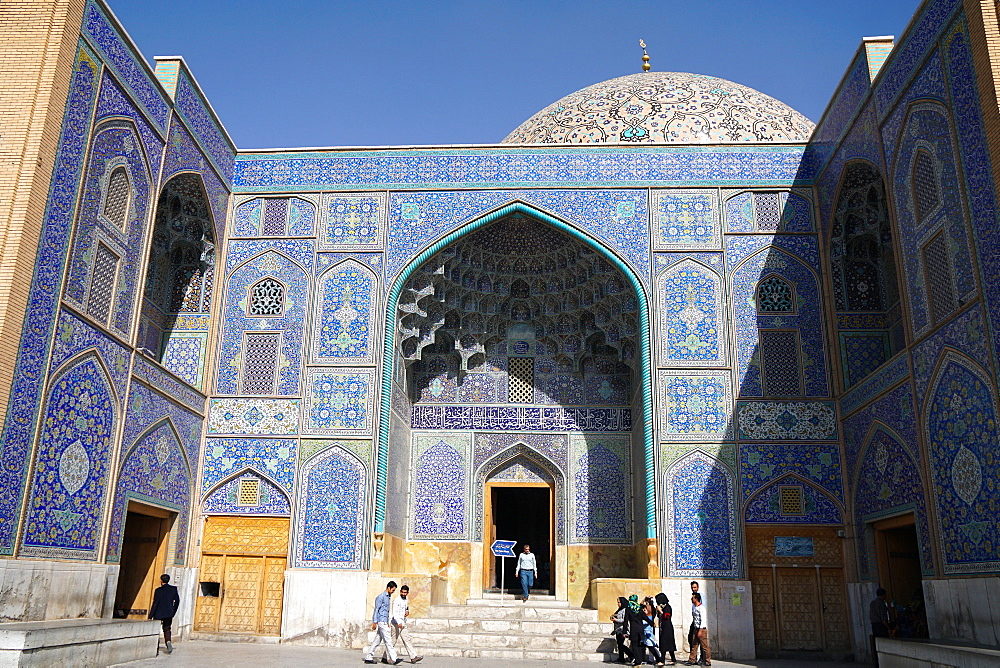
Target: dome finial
(645, 57)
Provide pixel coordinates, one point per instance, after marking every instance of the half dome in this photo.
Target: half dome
(664, 108)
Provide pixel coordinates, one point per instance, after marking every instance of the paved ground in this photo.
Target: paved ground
(199, 653)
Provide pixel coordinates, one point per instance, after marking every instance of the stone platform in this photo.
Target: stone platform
(490, 628)
(77, 643)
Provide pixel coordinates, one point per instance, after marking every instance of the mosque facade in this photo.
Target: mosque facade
(667, 330)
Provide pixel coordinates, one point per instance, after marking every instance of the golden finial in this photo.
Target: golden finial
(645, 57)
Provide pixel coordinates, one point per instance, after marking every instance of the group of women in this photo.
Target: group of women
(649, 629)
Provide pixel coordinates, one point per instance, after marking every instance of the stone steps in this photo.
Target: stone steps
(532, 630)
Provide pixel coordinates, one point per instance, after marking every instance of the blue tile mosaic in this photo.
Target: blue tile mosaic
(686, 220)
(691, 319)
(212, 138)
(601, 476)
(271, 457)
(353, 222)
(147, 407)
(225, 499)
(514, 168)
(521, 418)
(440, 486)
(760, 464)
(345, 327)
(113, 101)
(183, 155)
(329, 518)
(696, 405)
(786, 420)
(961, 431)
(701, 530)
(818, 506)
(65, 508)
(340, 402)
(155, 471)
(19, 424)
(74, 335)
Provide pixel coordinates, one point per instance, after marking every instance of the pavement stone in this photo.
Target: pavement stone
(201, 653)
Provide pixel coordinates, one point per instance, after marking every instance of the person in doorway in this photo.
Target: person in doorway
(165, 604)
(400, 611)
(380, 624)
(878, 615)
(527, 569)
(620, 631)
(699, 634)
(665, 622)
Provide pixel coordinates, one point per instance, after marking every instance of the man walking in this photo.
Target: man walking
(699, 633)
(165, 603)
(400, 611)
(527, 569)
(380, 624)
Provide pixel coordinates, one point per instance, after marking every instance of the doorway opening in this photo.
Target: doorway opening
(898, 554)
(522, 512)
(143, 559)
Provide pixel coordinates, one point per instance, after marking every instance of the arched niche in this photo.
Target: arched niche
(330, 513)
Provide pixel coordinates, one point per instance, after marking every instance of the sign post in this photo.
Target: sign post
(503, 549)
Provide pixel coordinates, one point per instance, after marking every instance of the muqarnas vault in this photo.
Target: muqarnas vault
(666, 330)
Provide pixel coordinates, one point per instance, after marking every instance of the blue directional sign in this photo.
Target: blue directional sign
(502, 548)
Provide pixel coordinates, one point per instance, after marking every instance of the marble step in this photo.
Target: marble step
(519, 642)
(507, 600)
(533, 627)
(516, 611)
(520, 654)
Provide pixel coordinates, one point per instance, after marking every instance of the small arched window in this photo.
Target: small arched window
(267, 298)
(924, 184)
(116, 197)
(775, 295)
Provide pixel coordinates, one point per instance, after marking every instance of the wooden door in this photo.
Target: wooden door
(798, 602)
(241, 589)
(765, 621)
(143, 558)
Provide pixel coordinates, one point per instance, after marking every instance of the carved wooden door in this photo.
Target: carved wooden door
(241, 594)
(798, 601)
(765, 624)
(834, 601)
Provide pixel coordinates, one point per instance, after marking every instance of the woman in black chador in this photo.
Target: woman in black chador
(664, 616)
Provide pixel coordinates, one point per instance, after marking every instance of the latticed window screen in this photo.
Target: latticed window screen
(779, 363)
(102, 284)
(767, 211)
(791, 500)
(116, 198)
(925, 186)
(248, 493)
(275, 217)
(521, 381)
(260, 362)
(267, 298)
(937, 273)
(774, 295)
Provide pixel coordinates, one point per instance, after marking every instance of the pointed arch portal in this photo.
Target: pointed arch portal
(640, 354)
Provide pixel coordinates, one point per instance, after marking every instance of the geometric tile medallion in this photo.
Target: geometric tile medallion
(340, 401)
(686, 220)
(352, 222)
(279, 417)
(697, 405)
(787, 420)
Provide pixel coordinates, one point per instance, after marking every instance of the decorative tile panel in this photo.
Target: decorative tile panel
(616, 217)
(961, 432)
(787, 420)
(184, 354)
(600, 508)
(196, 114)
(340, 402)
(521, 418)
(352, 222)
(967, 333)
(155, 470)
(329, 519)
(818, 507)
(702, 538)
(225, 499)
(695, 405)
(884, 378)
(161, 380)
(346, 325)
(762, 463)
(440, 486)
(691, 316)
(277, 417)
(271, 457)
(184, 155)
(686, 220)
(553, 446)
(65, 509)
(73, 336)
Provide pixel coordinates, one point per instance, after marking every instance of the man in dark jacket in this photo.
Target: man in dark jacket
(165, 602)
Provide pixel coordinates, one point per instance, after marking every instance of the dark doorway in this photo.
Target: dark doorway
(899, 573)
(144, 556)
(524, 514)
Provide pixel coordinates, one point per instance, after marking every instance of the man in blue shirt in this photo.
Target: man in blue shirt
(380, 624)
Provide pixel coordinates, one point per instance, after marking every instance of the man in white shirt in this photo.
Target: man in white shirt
(527, 569)
(397, 618)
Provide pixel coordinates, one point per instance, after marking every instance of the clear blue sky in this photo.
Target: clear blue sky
(381, 72)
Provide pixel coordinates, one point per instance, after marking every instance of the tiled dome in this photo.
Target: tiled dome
(664, 108)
